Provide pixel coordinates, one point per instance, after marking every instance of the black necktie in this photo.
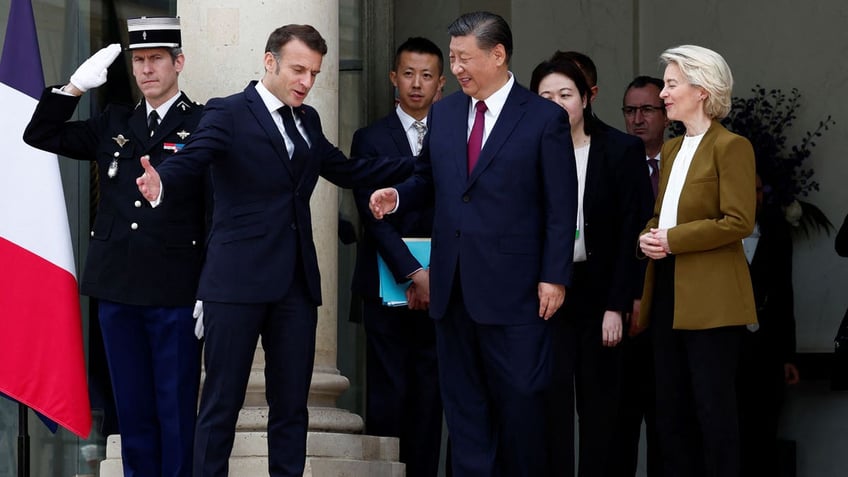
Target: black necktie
(301, 149)
(152, 122)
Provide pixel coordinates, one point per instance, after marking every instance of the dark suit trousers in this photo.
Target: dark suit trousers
(597, 376)
(494, 381)
(761, 389)
(232, 330)
(638, 403)
(402, 389)
(696, 390)
(154, 363)
(560, 398)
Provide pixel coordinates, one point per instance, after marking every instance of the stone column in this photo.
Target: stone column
(224, 46)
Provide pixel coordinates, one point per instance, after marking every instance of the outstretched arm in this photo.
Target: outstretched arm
(149, 183)
(383, 202)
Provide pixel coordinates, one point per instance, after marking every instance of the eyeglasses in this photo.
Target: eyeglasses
(646, 110)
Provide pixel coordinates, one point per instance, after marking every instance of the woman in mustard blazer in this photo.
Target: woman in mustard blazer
(698, 291)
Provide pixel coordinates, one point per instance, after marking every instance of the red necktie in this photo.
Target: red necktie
(475, 140)
(655, 174)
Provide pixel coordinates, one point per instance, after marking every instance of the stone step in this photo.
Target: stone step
(328, 455)
(318, 444)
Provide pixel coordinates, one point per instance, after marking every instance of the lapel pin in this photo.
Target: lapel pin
(183, 134)
(183, 106)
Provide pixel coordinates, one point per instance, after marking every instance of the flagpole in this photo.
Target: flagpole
(23, 441)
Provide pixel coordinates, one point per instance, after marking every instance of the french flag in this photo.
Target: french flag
(42, 364)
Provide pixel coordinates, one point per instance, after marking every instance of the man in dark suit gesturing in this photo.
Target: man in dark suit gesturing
(402, 389)
(499, 162)
(266, 150)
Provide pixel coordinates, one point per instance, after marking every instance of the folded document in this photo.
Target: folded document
(392, 292)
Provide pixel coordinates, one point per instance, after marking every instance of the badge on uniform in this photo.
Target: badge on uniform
(172, 146)
(113, 169)
(183, 134)
(121, 140)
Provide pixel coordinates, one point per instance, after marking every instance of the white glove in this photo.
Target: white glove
(92, 73)
(198, 317)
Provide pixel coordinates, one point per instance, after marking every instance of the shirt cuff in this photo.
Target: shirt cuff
(61, 91)
(155, 203)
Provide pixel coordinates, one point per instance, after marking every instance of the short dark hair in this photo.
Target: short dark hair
(572, 71)
(586, 65)
(642, 81)
(419, 44)
(305, 33)
(489, 29)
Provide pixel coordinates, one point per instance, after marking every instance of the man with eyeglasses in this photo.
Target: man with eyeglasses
(644, 116)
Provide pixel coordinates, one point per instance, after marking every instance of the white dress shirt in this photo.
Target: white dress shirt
(408, 122)
(274, 104)
(581, 156)
(676, 180)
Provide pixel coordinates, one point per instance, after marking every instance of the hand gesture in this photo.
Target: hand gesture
(551, 296)
(383, 201)
(418, 294)
(197, 313)
(611, 328)
(148, 183)
(654, 244)
(92, 73)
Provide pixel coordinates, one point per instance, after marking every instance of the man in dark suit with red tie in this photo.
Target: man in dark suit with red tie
(266, 150)
(499, 164)
(402, 388)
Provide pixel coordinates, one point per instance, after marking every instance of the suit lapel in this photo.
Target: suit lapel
(398, 134)
(138, 125)
(594, 170)
(263, 117)
(172, 119)
(510, 116)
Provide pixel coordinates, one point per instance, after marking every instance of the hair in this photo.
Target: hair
(421, 45)
(305, 33)
(705, 68)
(570, 70)
(174, 52)
(489, 29)
(586, 65)
(643, 81)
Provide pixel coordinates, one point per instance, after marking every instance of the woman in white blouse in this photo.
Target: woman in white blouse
(697, 291)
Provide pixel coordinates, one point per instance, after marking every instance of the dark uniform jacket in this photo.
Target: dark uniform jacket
(137, 255)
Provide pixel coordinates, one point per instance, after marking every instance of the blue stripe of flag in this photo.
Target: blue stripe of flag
(20, 65)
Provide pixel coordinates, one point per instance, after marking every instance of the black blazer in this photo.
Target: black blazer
(771, 277)
(262, 223)
(137, 255)
(617, 202)
(386, 137)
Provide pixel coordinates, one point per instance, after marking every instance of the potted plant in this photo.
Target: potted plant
(764, 118)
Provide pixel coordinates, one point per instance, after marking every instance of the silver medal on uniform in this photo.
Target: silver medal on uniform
(113, 166)
(113, 169)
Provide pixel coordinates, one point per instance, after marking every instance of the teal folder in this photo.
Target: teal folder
(392, 292)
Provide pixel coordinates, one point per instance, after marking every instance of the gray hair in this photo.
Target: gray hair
(705, 68)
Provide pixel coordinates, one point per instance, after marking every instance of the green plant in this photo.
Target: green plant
(764, 118)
